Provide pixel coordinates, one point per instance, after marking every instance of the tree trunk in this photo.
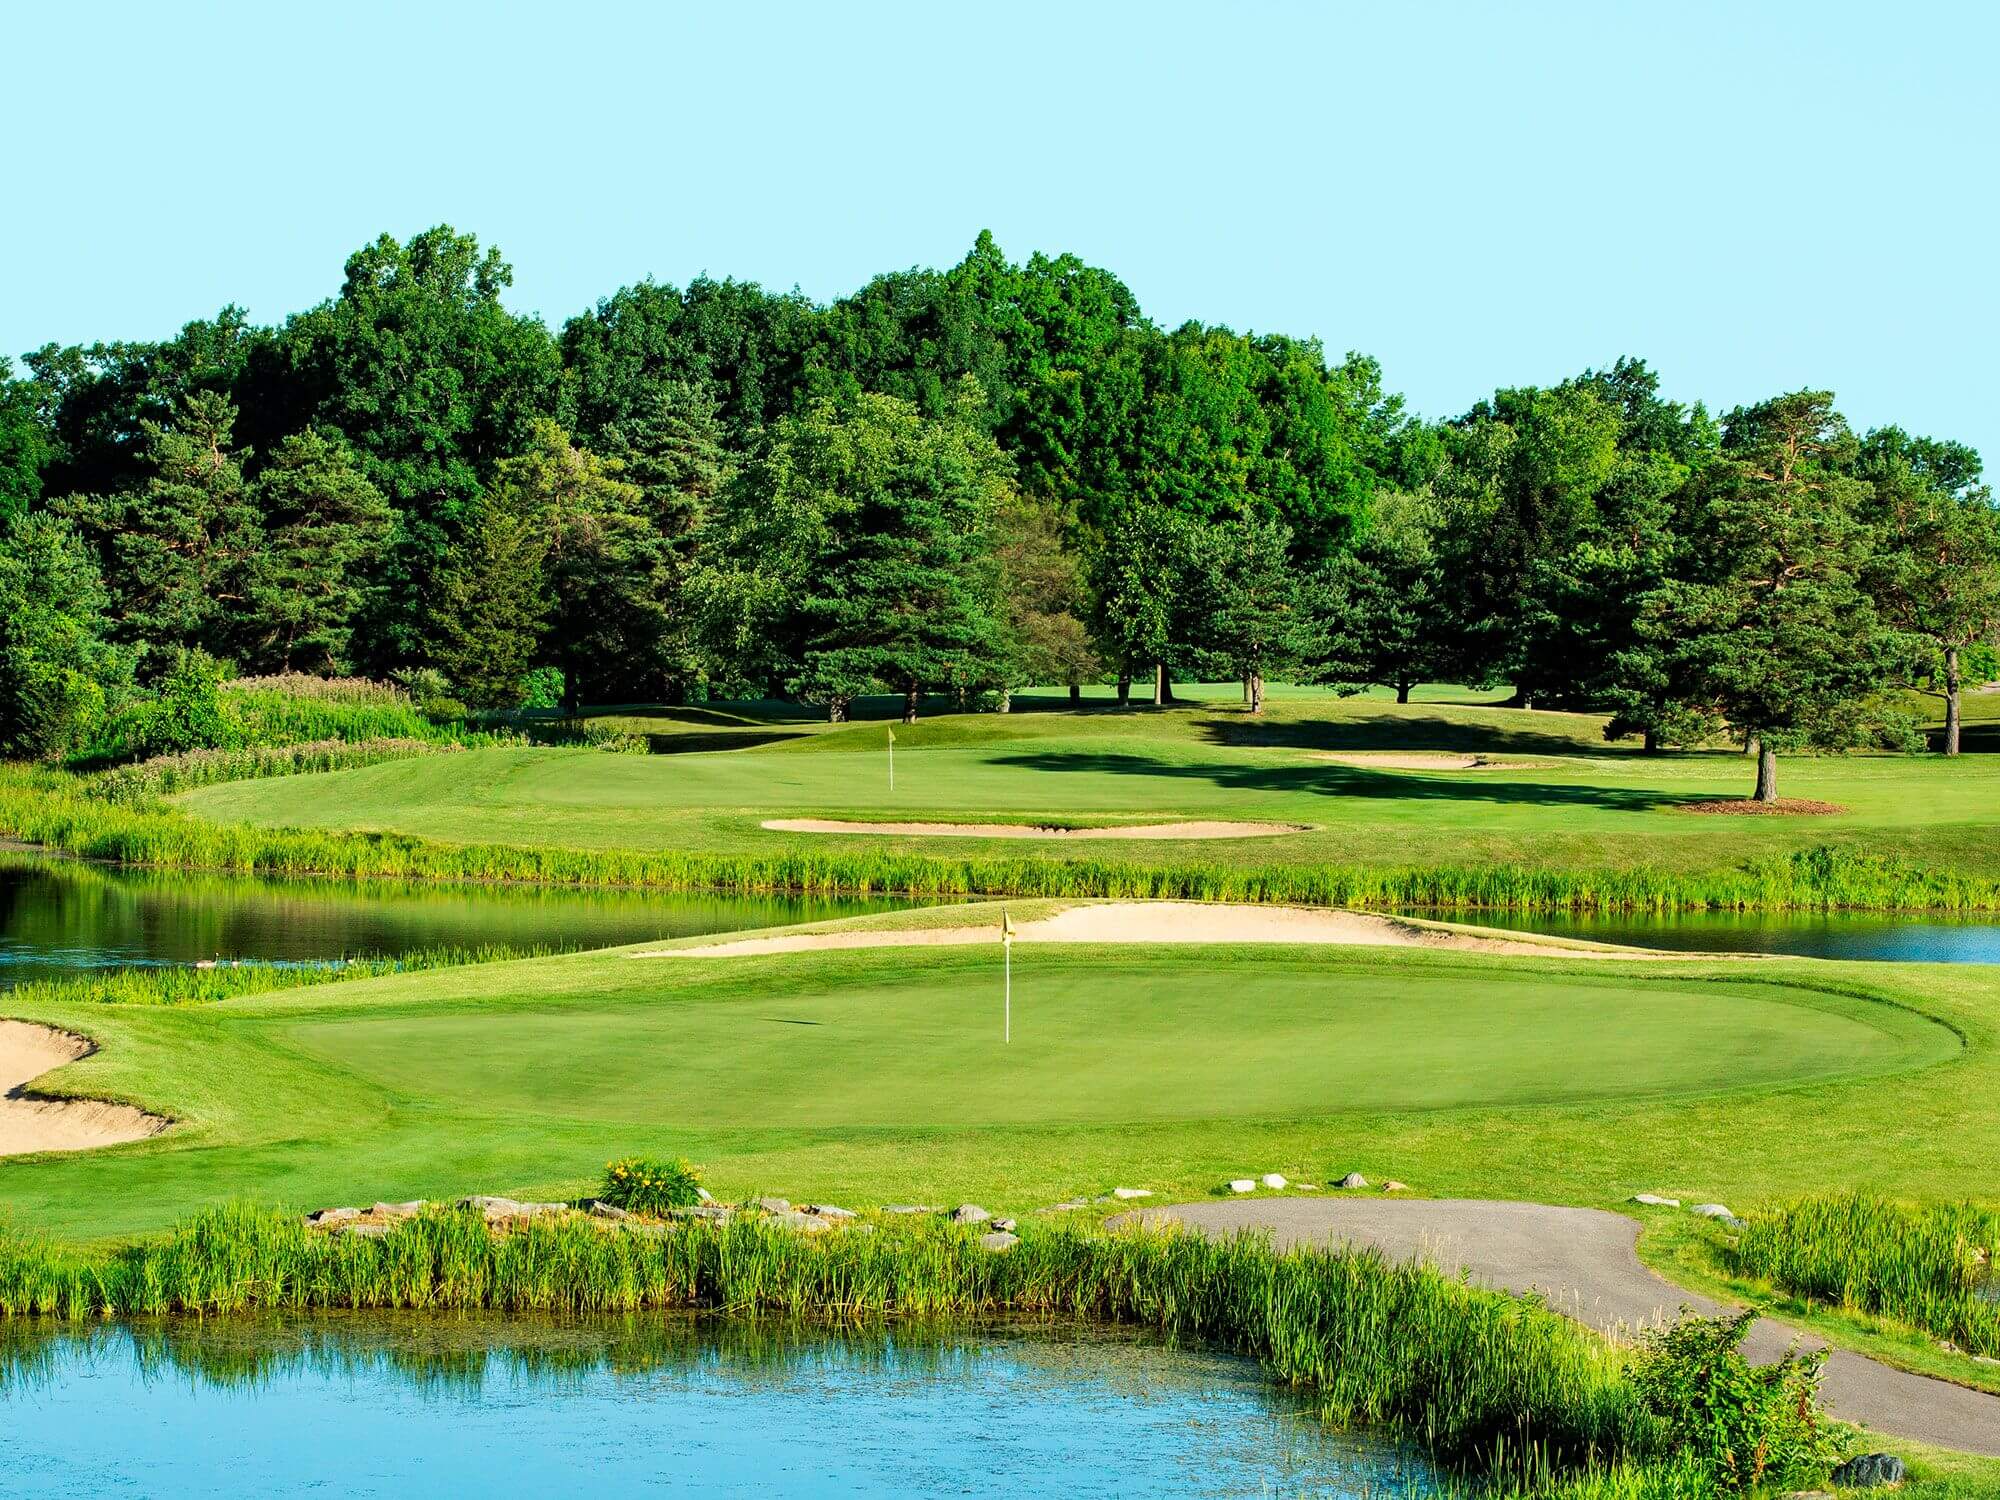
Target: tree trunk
(1125, 691)
(1652, 745)
(1166, 685)
(1246, 687)
(1256, 685)
(1403, 692)
(836, 710)
(910, 704)
(1767, 773)
(1006, 704)
(1075, 694)
(1159, 683)
(1951, 687)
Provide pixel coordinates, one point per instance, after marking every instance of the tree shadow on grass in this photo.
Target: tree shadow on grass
(1352, 781)
(1400, 730)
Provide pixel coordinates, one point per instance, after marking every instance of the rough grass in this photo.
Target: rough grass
(1929, 1267)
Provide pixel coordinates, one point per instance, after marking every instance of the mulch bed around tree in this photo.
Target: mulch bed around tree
(1804, 805)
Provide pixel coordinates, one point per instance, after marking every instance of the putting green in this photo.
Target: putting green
(859, 1039)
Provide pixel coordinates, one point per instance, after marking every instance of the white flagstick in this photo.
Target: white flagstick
(892, 758)
(1007, 970)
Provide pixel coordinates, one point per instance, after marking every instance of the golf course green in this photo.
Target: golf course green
(879, 1074)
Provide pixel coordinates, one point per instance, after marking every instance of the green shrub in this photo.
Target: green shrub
(186, 711)
(1749, 1425)
(163, 775)
(640, 1186)
(1929, 1267)
(542, 688)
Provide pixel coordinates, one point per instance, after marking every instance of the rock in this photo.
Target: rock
(1071, 1206)
(772, 1205)
(1131, 1192)
(969, 1213)
(366, 1231)
(1004, 1226)
(828, 1211)
(398, 1210)
(1711, 1211)
(909, 1208)
(604, 1210)
(999, 1239)
(1393, 1186)
(1353, 1180)
(715, 1211)
(804, 1222)
(495, 1208)
(1654, 1200)
(1273, 1179)
(327, 1217)
(1305, 1187)
(1243, 1185)
(1870, 1471)
(703, 1195)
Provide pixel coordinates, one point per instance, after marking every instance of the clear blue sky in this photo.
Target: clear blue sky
(1755, 197)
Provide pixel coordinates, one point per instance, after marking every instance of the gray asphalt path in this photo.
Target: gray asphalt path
(1585, 1262)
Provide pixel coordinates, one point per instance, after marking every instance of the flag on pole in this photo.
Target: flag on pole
(1007, 970)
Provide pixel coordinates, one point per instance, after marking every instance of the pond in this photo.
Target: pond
(371, 1405)
(1901, 938)
(59, 915)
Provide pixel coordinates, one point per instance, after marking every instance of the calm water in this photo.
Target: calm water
(439, 1405)
(62, 914)
(1906, 939)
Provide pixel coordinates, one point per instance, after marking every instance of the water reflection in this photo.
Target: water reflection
(1930, 938)
(58, 915)
(444, 1404)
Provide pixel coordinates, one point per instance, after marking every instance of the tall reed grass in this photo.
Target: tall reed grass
(163, 775)
(1930, 1267)
(1481, 1379)
(54, 809)
(188, 985)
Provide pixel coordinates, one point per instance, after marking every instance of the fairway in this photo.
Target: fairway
(1553, 793)
(857, 1040)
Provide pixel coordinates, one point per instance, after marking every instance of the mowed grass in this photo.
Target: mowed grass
(879, 1076)
(1110, 1036)
(1559, 796)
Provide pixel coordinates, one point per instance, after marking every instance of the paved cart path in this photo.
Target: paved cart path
(1584, 1261)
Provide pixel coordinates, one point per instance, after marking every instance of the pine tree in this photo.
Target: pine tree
(325, 531)
(176, 550)
(486, 611)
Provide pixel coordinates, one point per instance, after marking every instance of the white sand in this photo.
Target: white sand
(1192, 830)
(1168, 922)
(27, 1124)
(1374, 760)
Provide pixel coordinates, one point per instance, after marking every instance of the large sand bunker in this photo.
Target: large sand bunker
(1167, 922)
(1190, 830)
(29, 1124)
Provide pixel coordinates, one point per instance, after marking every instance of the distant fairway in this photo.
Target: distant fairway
(857, 1040)
(1558, 796)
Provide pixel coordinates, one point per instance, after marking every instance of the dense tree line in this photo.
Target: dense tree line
(958, 481)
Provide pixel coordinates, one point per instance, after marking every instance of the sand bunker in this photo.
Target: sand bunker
(1191, 830)
(30, 1124)
(1378, 760)
(1167, 922)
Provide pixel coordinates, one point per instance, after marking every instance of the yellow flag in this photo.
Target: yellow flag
(892, 734)
(1006, 926)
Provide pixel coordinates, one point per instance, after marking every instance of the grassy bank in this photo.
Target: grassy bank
(59, 812)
